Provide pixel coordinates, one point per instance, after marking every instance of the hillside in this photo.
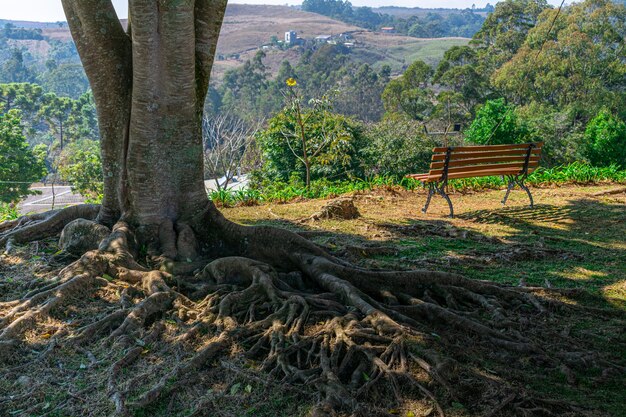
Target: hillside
(247, 27)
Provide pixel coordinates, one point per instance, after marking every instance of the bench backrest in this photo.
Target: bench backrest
(487, 160)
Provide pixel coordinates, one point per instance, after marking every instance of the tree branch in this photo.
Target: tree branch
(103, 45)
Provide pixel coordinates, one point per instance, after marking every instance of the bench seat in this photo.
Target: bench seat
(514, 161)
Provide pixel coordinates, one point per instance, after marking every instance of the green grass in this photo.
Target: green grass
(8, 212)
(282, 192)
(399, 56)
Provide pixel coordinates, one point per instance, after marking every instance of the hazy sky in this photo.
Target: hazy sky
(51, 10)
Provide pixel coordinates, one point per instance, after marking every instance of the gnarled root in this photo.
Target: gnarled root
(43, 225)
(297, 314)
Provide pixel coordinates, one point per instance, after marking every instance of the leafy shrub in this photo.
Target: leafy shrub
(397, 146)
(339, 138)
(605, 139)
(497, 123)
(81, 166)
(19, 166)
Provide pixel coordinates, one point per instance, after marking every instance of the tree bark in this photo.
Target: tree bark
(149, 85)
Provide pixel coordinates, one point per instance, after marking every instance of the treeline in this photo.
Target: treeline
(434, 24)
(531, 73)
(59, 71)
(327, 70)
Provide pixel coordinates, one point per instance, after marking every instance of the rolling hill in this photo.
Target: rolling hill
(247, 27)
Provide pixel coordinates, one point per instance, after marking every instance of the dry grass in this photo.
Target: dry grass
(571, 240)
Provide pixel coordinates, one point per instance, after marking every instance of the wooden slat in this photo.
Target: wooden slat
(417, 176)
(491, 167)
(488, 147)
(476, 161)
(486, 154)
(471, 174)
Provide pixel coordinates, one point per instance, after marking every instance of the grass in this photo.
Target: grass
(572, 240)
(8, 212)
(282, 192)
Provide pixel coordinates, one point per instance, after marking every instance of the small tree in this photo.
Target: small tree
(311, 140)
(19, 167)
(496, 123)
(226, 138)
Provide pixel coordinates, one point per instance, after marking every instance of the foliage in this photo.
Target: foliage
(430, 25)
(286, 191)
(310, 142)
(408, 94)
(80, 164)
(397, 146)
(496, 123)
(505, 30)
(15, 70)
(19, 167)
(581, 65)
(8, 212)
(605, 137)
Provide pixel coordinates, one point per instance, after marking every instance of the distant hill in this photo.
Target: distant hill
(406, 12)
(247, 27)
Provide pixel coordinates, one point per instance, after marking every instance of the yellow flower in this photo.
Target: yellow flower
(291, 82)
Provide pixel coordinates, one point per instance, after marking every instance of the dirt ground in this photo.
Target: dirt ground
(572, 240)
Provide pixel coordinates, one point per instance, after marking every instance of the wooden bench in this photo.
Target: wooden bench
(514, 162)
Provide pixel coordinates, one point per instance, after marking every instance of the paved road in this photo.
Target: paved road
(61, 196)
(50, 198)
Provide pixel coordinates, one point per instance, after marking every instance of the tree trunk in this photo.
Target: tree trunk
(149, 86)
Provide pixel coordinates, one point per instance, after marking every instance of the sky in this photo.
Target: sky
(51, 10)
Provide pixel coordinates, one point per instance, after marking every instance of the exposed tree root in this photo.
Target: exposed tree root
(302, 316)
(43, 225)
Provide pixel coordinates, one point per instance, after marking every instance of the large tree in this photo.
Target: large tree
(310, 317)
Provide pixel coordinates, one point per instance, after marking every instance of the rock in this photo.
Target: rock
(186, 243)
(340, 208)
(24, 381)
(80, 236)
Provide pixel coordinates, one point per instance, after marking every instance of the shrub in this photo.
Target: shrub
(81, 166)
(397, 146)
(497, 123)
(605, 140)
(338, 158)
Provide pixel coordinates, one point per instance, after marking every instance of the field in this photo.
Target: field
(570, 249)
(247, 27)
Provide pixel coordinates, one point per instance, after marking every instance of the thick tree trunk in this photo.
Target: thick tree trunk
(149, 85)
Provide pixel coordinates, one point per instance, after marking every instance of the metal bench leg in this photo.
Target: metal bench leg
(442, 192)
(508, 190)
(520, 182)
(431, 191)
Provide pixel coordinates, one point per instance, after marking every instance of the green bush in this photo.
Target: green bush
(560, 129)
(497, 123)
(338, 159)
(605, 140)
(81, 166)
(19, 166)
(397, 146)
